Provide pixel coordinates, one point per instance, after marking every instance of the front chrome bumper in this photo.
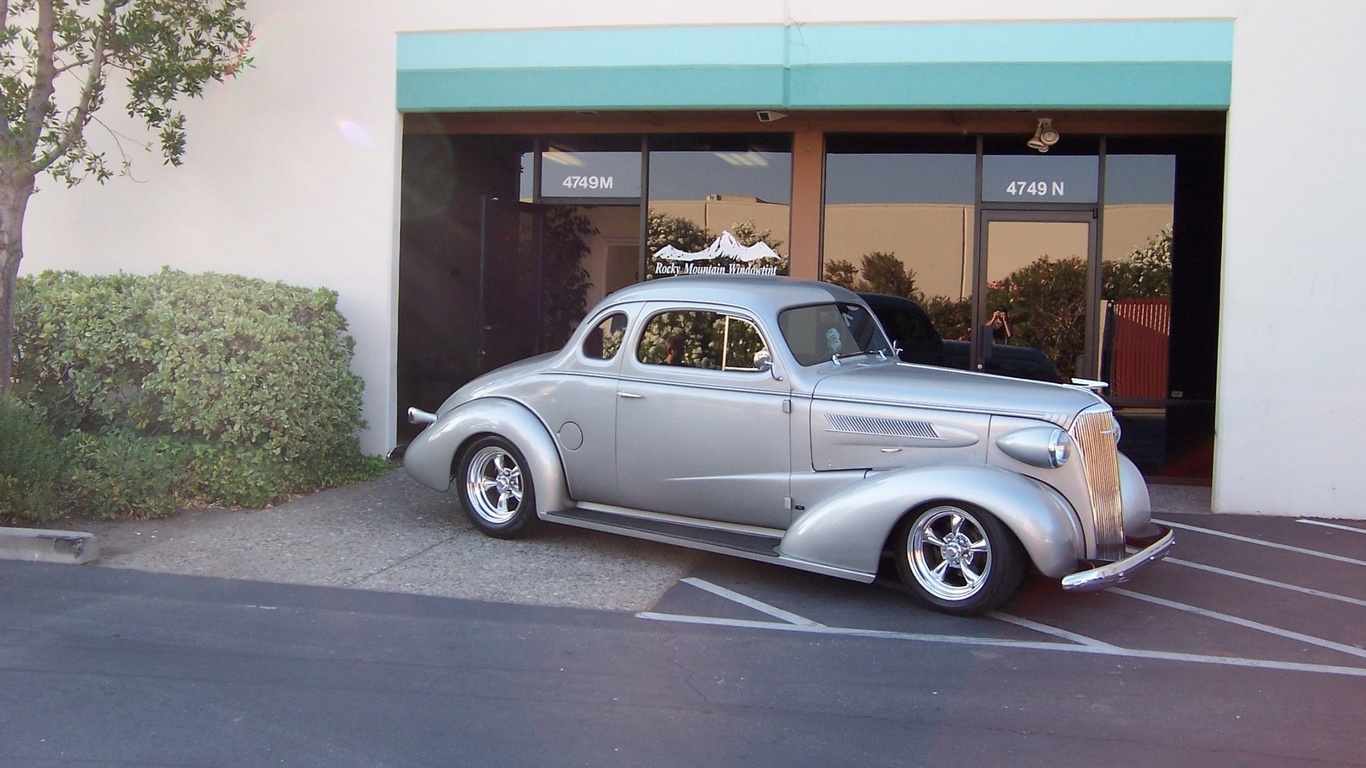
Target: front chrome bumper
(1154, 548)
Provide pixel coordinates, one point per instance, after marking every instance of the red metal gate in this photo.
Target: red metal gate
(1138, 351)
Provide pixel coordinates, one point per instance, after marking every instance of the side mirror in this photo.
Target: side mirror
(764, 362)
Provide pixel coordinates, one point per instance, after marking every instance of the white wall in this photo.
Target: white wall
(1292, 408)
(277, 185)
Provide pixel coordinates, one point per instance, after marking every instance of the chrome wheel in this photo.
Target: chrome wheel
(496, 489)
(493, 484)
(949, 553)
(959, 559)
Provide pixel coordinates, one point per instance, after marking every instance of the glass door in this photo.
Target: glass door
(1036, 312)
(510, 302)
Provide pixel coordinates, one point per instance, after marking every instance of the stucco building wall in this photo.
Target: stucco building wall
(292, 174)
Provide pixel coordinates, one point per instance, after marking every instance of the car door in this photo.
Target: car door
(581, 408)
(703, 424)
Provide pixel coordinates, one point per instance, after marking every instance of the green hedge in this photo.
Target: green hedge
(30, 465)
(172, 387)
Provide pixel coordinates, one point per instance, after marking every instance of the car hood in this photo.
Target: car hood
(927, 387)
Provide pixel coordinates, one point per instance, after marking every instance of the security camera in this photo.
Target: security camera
(768, 116)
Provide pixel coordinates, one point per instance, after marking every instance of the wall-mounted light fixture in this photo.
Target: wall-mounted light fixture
(1044, 136)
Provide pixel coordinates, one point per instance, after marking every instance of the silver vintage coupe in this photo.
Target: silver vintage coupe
(770, 418)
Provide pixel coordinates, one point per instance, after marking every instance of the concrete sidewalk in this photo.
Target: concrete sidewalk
(394, 535)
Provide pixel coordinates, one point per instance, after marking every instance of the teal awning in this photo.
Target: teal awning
(1024, 65)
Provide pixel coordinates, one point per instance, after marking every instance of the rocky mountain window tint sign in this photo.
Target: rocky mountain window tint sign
(725, 256)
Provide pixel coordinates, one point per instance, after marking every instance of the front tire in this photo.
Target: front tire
(958, 559)
(495, 488)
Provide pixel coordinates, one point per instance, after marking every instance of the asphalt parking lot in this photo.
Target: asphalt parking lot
(1247, 591)
(1285, 594)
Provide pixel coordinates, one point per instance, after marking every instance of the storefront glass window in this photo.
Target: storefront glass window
(719, 204)
(1136, 305)
(900, 220)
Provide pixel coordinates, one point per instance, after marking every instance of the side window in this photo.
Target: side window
(604, 340)
(702, 339)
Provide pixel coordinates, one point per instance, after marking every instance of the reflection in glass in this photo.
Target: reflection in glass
(831, 332)
(604, 340)
(700, 339)
(1138, 270)
(1136, 301)
(1036, 293)
(719, 205)
(899, 220)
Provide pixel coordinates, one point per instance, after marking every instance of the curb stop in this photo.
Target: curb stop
(44, 546)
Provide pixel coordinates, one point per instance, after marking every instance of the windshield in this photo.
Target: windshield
(824, 332)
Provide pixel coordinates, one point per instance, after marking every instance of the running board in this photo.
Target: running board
(751, 545)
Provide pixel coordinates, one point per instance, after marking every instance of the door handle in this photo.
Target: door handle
(630, 395)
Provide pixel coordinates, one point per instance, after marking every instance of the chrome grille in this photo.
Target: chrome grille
(865, 425)
(1096, 433)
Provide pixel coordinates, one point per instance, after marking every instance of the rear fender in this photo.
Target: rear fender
(846, 531)
(430, 457)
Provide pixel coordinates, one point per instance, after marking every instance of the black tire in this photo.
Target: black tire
(958, 559)
(495, 487)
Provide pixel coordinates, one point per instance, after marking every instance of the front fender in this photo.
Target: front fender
(846, 531)
(1133, 491)
(429, 458)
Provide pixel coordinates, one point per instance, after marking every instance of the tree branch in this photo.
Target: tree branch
(94, 83)
(44, 74)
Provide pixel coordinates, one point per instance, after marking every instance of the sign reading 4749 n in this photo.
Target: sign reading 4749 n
(1040, 179)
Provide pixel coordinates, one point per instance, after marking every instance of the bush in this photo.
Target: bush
(30, 465)
(123, 473)
(231, 390)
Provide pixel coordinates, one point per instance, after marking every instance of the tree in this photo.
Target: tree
(841, 272)
(682, 233)
(1146, 273)
(564, 288)
(55, 60)
(882, 272)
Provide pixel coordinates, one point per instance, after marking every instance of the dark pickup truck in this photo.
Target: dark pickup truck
(907, 323)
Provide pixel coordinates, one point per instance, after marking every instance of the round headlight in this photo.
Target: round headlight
(1059, 448)
(1046, 447)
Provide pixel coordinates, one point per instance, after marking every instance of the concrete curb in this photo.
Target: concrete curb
(42, 546)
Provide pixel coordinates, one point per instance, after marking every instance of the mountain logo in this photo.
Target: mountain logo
(726, 256)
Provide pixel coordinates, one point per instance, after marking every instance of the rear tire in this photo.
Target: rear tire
(495, 488)
(958, 559)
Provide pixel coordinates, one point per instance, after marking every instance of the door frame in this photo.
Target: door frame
(1056, 213)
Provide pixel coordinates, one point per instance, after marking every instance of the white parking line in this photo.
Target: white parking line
(1097, 650)
(1267, 628)
(1266, 582)
(749, 602)
(1272, 544)
(1334, 526)
(1048, 630)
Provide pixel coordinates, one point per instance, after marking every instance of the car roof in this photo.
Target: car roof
(761, 293)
